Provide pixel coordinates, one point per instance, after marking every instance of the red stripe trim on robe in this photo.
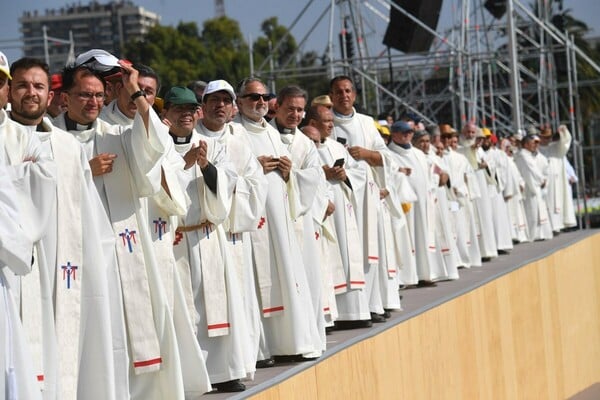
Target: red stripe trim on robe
(357, 282)
(40, 378)
(273, 309)
(373, 258)
(219, 326)
(340, 286)
(138, 364)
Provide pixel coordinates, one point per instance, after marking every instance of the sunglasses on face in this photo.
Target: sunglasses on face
(256, 96)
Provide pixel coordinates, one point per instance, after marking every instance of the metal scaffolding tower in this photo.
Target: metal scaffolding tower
(503, 73)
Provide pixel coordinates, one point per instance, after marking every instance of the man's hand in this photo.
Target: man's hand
(383, 193)
(373, 158)
(129, 77)
(334, 173)
(202, 159)
(358, 153)
(405, 170)
(285, 166)
(330, 209)
(102, 164)
(268, 163)
(482, 165)
(443, 178)
(197, 154)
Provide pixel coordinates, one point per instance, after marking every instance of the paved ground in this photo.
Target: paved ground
(417, 301)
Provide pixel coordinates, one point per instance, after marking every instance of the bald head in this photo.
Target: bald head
(312, 133)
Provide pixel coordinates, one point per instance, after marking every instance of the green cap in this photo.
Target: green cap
(180, 95)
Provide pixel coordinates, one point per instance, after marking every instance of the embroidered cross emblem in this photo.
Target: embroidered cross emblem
(160, 227)
(349, 206)
(317, 235)
(128, 237)
(262, 222)
(68, 271)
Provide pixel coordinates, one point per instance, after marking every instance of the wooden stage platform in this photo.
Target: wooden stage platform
(524, 326)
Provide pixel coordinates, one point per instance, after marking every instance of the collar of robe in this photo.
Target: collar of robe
(181, 139)
(284, 131)
(74, 126)
(405, 146)
(38, 128)
(343, 116)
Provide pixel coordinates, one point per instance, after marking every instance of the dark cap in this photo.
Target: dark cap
(180, 95)
(401, 126)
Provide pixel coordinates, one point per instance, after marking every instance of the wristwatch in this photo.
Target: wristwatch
(138, 94)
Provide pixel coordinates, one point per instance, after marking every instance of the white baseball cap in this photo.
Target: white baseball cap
(217, 86)
(4, 67)
(97, 59)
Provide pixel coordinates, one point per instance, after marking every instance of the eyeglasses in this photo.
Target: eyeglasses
(87, 96)
(256, 96)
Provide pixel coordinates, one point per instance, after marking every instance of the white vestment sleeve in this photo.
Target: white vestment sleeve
(250, 195)
(15, 245)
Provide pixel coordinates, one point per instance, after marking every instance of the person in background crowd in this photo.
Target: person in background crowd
(533, 166)
(57, 106)
(560, 203)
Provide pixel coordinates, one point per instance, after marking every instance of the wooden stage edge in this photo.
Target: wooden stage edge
(527, 330)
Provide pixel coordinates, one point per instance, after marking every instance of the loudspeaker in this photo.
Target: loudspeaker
(496, 7)
(405, 35)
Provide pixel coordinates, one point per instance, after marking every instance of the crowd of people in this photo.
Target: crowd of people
(161, 248)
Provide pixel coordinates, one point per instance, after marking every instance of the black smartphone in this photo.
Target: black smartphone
(339, 162)
(341, 140)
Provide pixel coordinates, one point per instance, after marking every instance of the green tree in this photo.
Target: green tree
(223, 40)
(274, 33)
(176, 54)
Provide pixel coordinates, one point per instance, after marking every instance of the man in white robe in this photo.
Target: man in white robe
(135, 175)
(71, 261)
(345, 180)
(497, 164)
(209, 181)
(513, 196)
(121, 112)
(460, 198)
(439, 172)
(247, 206)
(470, 141)
(533, 166)
(287, 310)
(422, 215)
(291, 101)
(324, 231)
(560, 204)
(28, 181)
(365, 145)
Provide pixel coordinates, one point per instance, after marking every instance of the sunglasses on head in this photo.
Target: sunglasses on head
(256, 96)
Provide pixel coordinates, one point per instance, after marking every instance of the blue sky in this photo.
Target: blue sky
(250, 13)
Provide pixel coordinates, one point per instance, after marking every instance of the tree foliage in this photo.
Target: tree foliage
(183, 54)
